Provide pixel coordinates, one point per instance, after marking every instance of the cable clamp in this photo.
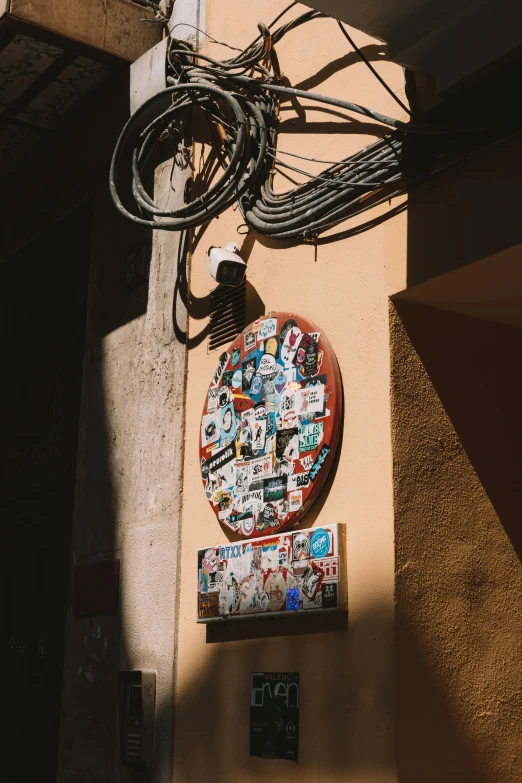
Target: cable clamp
(268, 45)
(183, 157)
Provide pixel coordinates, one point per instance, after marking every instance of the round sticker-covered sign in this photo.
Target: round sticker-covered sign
(270, 424)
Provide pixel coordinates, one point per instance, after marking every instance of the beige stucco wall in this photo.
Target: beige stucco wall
(347, 708)
(457, 428)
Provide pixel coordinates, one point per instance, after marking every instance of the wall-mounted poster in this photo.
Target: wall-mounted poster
(270, 425)
(274, 715)
(289, 573)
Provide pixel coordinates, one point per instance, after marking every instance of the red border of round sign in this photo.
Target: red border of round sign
(331, 424)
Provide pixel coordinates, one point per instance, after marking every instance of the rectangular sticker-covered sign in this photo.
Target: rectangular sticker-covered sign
(274, 715)
(296, 572)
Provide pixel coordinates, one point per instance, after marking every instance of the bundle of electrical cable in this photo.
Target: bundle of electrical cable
(239, 101)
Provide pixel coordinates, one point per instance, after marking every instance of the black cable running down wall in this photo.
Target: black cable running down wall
(239, 100)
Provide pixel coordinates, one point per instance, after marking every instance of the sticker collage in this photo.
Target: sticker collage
(270, 425)
(287, 573)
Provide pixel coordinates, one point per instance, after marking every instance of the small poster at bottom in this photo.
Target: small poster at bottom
(274, 715)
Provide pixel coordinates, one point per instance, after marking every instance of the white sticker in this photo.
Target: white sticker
(267, 328)
(297, 481)
(209, 429)
(307, 462)
(310, 399)
(270, 444)
(290, 345)
(289, 420)
(314, 603)
(295, 500)
(226, 473)
(212, 485)
(250, 501)
(287, 402)
(270, 559)
(282, 509)
(290, 374)
(260, 468)
(330, 568)
(242, 476)
(212, 403)
(267, 365)
(247, 527)
(249, 417)
(310, 582)
(259, 435)
(250, 341)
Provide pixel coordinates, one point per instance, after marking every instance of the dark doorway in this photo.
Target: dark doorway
(43, 297)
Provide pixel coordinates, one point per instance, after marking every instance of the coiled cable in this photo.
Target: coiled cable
(239, 98)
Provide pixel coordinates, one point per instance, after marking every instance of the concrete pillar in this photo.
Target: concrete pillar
(129, 485)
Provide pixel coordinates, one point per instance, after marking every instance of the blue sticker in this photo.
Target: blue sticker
(292, 598)
(320, 543)
(228, 424)
(255, 388)
(319, 461)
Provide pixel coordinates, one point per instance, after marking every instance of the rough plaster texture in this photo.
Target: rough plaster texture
(111, 25)
(347, 708)
(457, 429)
(128, 501)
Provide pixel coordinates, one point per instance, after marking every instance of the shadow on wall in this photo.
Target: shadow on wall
(432, 745)
(372, 52)
(346, 700)
(474, 367)
(90, 684)
(456, 390)
(476, 203)
(456, 713)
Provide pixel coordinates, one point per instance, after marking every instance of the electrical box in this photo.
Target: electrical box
(148, 75)
(137, 717)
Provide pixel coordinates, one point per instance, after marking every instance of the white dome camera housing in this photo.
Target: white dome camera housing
(225, 264)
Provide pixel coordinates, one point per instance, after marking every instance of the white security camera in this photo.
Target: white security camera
(225, 265)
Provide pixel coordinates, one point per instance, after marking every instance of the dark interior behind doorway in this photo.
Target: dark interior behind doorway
(43, 299)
